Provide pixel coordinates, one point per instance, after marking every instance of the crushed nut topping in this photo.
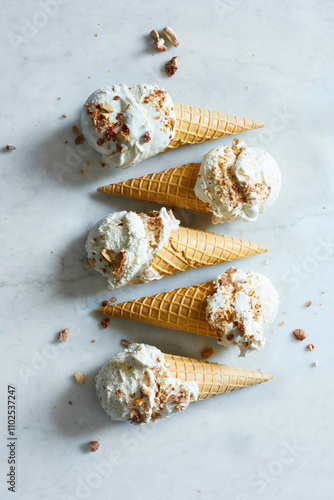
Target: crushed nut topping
(79, 378)
(155, 35)
(75, 130)
(171, 35)
(299, 334)
(310, 347)
(105, 322)
(172, 66)
(106, 303)
(10, 147)
(80, 139)
(160, 45)
(63, 335)
(147, 137)
(94, 445)
(309, 303)
(206, 353)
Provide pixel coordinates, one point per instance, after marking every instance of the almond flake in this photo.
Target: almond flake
(79, 377)
(108, 107)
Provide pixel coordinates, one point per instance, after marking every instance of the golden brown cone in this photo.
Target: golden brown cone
(189, 248)
(212, 378)
(180, 309)
(174, 187)
(195, 125)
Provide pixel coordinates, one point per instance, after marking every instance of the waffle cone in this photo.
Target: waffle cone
(189, 248)
(195, 125)
(181, 309)
(174, 187)
(212, 378)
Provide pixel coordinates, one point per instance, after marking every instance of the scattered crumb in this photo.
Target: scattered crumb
(206, 353)
(94, 445)
(310, 347)
(70, 403)
(63, 335)
(103, 164)
(80, 139)
(281, 323)
(79, 378)
(113, 299)
(58, 98)
(266, 262)
(125, 342)
(105, 322)
(106, 303)
(66, 142)
(172, 66)
(309, 303)
(64, 115)
(75, 130)
(247, 87)
(316, 363)
(93, 341)
(10, 147)
(299, 334)
(55, 406)
(96, 34)
(88, 162)
(89, 77)
(83, 172)
(322, 292)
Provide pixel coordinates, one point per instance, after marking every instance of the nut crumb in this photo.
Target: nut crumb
(171, 35)
(93, 341)
(70, 403)
(10, 147)
(63, 335)
(299, 334)
(154, 34)
(113, 299)
(106, 303)
(75, 130)
(160, 45)
(316, 363)
(94, 445)
(266, 262)
(125, 342)
(281, 323)
(79, 377)
(80, 139)
(105, 322)
(103, 164)
(83, 172)
(309, 303)
(172, 66)
(64, 115)
(310, 347)
(206, 353)
(58, 98)
(146, 137)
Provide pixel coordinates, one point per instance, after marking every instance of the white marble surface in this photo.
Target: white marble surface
(266, 60)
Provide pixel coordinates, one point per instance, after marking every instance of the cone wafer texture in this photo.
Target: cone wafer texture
(190, 248)
(174, 187)
(195, 125)
(212, 378)
(181, 309)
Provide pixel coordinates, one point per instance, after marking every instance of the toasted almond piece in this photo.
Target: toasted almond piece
(125, 342)
(106, 254)
(316, 363)
(309, 303)
(160, 45)
(79, 377)
(154, 34)
(108, 107)
(172, 66)
(299, 334)
(206, 353)
(90, 262)
(171, 35)
(310, 347)
(94, 445)
(120, 259)
(10, 147)
(123, 137)
(138, 402)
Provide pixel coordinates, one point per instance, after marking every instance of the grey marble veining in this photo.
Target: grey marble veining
(270, 61)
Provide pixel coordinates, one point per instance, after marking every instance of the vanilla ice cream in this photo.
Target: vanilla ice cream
(136, 385)
(122, 246)
(238, 182)
(128, 124)
(242, 307)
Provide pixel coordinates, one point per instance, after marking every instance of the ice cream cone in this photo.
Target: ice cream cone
(189, 248)
(212, 378)
(174, 187)
(195, 125)
(181, 309)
